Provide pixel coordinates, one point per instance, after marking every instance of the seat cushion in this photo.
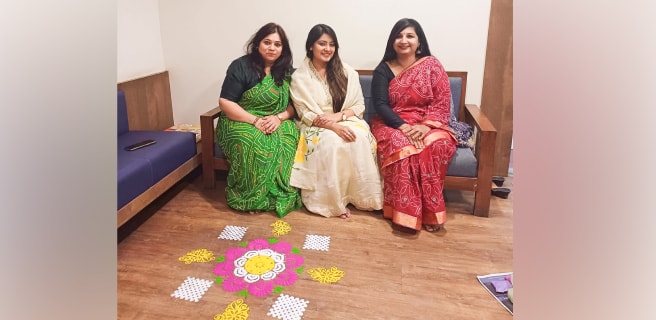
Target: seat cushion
(134, 177)
(122, 113)
(463, 164)
(369, 110)
(172, 149)
(456, 90)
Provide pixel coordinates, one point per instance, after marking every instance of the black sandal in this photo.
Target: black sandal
(501, 192)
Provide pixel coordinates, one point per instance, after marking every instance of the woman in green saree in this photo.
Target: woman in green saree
(255, 130)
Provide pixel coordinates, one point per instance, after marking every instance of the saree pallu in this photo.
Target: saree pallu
(413, 179)
(332, 173)
(260, 164)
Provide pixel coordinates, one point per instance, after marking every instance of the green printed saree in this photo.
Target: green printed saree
(260, 164)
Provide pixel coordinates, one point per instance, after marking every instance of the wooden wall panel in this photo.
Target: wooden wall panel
(149, 102)
(497, 96)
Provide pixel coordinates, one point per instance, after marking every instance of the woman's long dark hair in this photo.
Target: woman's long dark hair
(422, 51)
(282, 67)
(337, 80)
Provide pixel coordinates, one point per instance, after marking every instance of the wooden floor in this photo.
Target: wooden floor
(388, 274)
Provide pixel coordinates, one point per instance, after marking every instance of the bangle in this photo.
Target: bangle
(255, 121)
(279, 117)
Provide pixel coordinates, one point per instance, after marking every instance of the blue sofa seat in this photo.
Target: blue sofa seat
(141, 169)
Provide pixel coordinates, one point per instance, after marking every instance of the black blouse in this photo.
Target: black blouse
(239, 78)
(380, 92)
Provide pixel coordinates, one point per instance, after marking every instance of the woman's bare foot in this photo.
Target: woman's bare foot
(346, 214)
(432, 227)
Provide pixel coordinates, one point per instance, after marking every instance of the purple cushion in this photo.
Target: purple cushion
(134, 177)
(122, 113)
(138, 170)
(171, 150)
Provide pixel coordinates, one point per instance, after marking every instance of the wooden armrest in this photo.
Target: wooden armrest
(486, 134)
(207, 133)
(207, 128)
(207, 144)
(214, 113)
(475, 117)
(485, 141)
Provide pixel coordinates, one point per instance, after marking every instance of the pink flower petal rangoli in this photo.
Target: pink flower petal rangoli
(286, 278)
(258, 244)
(293, 260)
(282, 247)
(260, 288)
(234, 284)
(223, 269)
(260, 268)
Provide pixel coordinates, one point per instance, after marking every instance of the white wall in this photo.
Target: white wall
(139, 44)
(200, 38)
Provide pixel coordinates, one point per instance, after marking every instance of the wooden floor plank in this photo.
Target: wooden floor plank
(388, 274)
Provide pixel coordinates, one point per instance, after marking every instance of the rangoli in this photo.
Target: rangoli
(259, 268)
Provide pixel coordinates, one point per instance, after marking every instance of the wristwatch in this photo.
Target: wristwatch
(279, 117)
(343, 116)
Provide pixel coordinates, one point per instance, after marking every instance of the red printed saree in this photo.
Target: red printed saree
(414, 178)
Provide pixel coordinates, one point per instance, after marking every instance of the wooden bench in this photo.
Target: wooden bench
(470, 169)
(149, 108)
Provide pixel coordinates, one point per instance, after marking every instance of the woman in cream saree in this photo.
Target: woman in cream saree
(335, 160)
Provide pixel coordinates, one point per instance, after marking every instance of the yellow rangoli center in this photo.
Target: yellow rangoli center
(259, 265)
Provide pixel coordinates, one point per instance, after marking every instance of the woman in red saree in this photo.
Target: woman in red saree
(412, 97)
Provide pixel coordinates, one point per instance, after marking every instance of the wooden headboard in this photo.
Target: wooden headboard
(149, 102)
